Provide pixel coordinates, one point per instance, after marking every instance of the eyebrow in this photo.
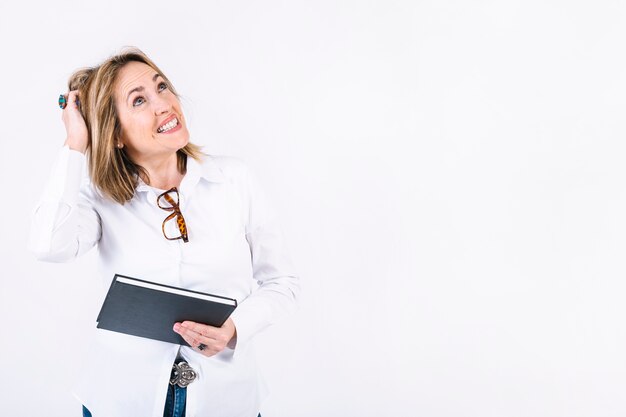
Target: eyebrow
(141, 88)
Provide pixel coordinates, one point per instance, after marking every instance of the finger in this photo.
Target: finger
(203, 329)
(73, 98)
(191, 337)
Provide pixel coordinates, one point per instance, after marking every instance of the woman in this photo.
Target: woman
(124, 118)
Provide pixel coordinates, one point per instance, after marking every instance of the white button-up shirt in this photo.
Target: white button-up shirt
(235, 249)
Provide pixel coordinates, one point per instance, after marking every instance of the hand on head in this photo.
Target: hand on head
(75, 126)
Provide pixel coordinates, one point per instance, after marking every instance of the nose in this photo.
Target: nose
(161, 105)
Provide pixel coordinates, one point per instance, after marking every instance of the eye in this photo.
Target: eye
(162, 84)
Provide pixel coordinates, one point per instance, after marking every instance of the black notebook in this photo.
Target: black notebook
(147, 309)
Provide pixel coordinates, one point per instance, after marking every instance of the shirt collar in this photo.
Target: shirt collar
(206, 169)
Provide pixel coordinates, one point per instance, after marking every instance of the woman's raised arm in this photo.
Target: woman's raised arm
(64, 223)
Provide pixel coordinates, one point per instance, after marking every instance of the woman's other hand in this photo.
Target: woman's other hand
(75, 126)
(215, 339)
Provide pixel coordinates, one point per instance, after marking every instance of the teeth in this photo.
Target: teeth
(171, 124)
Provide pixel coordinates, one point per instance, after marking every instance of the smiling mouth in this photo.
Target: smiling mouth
(168, 126)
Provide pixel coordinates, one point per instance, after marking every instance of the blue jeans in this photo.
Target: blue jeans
(174, 404)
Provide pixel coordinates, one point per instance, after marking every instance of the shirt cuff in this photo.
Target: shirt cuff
(249, 318)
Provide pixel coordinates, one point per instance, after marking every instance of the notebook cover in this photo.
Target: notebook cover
(151, 313)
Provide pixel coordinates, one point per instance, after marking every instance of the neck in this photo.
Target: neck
(163, 172)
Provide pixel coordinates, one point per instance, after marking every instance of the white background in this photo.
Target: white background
(449, 176)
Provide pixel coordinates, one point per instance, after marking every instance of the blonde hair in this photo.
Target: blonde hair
(110, 168)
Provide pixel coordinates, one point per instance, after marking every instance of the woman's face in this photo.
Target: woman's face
(150, 115)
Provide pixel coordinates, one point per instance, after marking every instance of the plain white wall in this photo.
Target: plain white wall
(449, 175)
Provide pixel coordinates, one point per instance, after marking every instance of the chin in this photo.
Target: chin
(185, 142)
(178, 143)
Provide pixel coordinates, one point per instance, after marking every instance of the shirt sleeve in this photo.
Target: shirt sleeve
(271, 266)
(64, 223)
